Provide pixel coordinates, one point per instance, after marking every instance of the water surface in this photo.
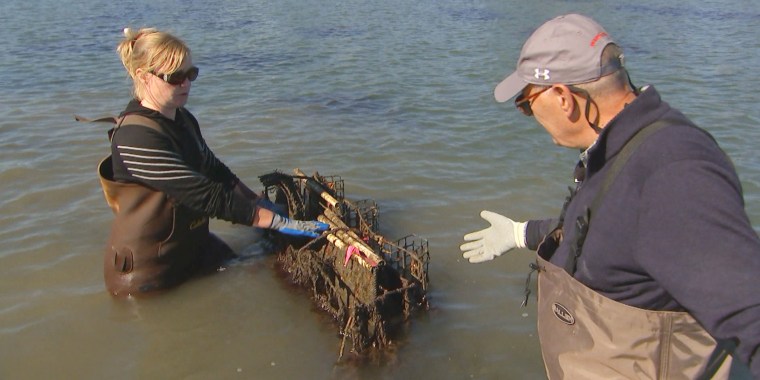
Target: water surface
(393, 96)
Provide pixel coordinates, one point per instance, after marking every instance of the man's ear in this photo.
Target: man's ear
(566, 101)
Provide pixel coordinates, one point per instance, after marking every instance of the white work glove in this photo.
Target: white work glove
(503, 235)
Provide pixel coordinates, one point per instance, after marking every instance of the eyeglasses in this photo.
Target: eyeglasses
(523, 102)
(178, 77)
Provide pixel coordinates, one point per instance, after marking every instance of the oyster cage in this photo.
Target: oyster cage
(369, 284)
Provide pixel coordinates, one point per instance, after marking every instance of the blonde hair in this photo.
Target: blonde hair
(150, 50)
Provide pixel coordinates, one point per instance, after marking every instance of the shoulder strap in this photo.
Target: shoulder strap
(623, 156)
(131, 119)
(723, 348)
(582, 224)
(124, 120)
(104, 119)
(140, 120)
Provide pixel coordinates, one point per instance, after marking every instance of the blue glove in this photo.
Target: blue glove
(280, 210)
(287, 226)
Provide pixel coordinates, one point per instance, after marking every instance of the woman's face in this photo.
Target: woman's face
(161, 95)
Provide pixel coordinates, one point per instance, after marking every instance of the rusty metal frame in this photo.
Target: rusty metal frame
(370, 285)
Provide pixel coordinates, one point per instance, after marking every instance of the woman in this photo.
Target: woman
(163, 182)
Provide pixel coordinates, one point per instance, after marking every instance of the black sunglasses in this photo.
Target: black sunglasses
(178, 77)
(523, 102)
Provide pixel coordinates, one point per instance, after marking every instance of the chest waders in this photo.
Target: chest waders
(585, 335)
(155, 243)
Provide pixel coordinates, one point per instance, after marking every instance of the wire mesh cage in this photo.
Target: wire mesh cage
(370, 285)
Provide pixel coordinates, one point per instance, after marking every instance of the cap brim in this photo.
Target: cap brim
(509, 87)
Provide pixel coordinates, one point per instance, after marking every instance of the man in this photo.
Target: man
(650, 270)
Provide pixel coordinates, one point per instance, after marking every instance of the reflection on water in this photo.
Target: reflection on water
(394, 96)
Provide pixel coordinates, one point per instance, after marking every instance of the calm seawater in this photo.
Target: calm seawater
(393, 96)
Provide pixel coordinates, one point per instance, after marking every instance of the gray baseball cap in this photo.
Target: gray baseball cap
(564, 50)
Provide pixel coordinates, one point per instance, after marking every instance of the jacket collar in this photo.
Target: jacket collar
(644, 110)
(135, 108)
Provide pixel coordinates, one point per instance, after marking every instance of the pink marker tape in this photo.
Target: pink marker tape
(350, 251)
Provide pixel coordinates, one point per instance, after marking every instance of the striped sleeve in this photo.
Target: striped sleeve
(143, 155)
(211, 166)
(154, 164)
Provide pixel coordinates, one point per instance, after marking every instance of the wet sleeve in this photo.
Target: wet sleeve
(148, 157)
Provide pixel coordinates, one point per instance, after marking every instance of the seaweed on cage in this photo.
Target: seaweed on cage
(368, 284)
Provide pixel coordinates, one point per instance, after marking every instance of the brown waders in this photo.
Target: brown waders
(155, 243)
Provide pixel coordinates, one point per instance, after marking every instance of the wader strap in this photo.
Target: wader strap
(724, 348)
(126, 119)
(582, 223)
(623, 157)
(721, 352)
(138, 120)
(104, 119)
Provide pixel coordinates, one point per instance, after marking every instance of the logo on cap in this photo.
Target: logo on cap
(598, 37)
(538, 74)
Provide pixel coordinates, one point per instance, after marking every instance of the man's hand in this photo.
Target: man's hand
(503, 236)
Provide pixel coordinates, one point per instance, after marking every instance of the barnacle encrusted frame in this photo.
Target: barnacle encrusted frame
(369, 284)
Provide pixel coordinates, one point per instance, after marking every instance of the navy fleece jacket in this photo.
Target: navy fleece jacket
(672, 232)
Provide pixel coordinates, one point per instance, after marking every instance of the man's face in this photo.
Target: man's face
(556, 109)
